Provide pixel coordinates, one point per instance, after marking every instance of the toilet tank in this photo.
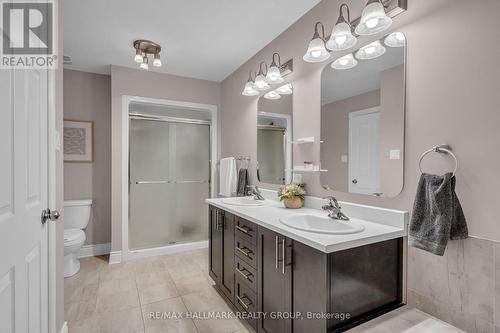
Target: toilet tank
(76, 213)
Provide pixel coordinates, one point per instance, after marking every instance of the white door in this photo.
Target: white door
(23, 196)
(364, 156)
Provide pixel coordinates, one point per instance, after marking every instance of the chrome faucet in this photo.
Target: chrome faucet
(255, 192)
(333, 209)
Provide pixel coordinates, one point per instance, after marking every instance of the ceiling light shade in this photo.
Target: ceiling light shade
(260, 81)
(373, 19)
(138, 56)
(144, 64)
(273, 75)
(342, 37)
(285, 89)
(396, 39)
(345, 62)
(316, 51)
(272, 95)
(157, 60)
(371, 51)
(249, 89)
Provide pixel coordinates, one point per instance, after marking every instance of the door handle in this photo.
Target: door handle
(354, 181)
(139, 182)
(245, 275)
(240, 300)
(276, 251)
(49, 215)
(246, 251)
(243, 229)
(283, 256)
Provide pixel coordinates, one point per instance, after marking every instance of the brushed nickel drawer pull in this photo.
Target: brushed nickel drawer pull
(276, 251)
(240, 300)
(242, 272)
(283, 250)
(246, 251)
(243, 229)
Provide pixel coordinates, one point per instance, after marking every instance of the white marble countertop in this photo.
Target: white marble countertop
(375, 231)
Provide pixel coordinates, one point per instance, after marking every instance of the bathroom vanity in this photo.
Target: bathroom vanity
(290, 280)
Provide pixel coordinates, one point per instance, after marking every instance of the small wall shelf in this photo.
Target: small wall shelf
(302, 169)
(310, 139)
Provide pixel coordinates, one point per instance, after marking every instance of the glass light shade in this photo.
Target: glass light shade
(285, 89)
(274, 75)
(371, 51)
(249, 90)
(261, 83)
(396, 39)
(316, 52)
(272, 95)
(138, 56)
(144, 63)
(373, 19)
(157, 60)
(341, 38)
(345, 62)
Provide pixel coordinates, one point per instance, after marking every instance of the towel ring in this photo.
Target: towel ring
(442, 149)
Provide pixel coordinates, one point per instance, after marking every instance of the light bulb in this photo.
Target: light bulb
(371, 51)
(373, 19)
(260, 83)
(138, 56)
(157, 60)
(272, 95)
(285, 89)
(144, 63)
(316, 53)
(274, 75)
(316, 50)
(372, 22)
(396, 39)
(249, 90)
(341, 37)
(345, 62)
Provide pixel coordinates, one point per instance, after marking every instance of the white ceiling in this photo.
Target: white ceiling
(337, 85)
(199, 38)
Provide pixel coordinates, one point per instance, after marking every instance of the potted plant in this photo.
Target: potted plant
(292, 195)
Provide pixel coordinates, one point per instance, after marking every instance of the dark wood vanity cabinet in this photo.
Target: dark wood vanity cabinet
(292, 287)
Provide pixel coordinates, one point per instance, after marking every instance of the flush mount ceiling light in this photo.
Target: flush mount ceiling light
(143, 48)
(260, 81)
(285, 89)
(370, 51)
(316, 51)
(249, 89)
(373, 19)
(272, 95)
(396, 39)
(345, 62)
(273, 75)
(342, 37)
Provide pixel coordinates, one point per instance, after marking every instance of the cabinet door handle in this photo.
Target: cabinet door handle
(242, 272)
(242, 302)
(276, 251)
(245, 250)
(216, 220)
(243, 229)
(283, 256)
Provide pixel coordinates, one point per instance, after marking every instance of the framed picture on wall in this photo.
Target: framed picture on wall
(78, 141)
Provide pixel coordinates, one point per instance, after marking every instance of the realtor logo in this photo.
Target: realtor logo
(28, 34)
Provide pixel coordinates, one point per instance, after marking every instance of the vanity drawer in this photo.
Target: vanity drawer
(246, 301)
(245, 273)
(246, 251)
(246, 230)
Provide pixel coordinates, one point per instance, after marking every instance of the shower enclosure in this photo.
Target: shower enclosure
(169, 179)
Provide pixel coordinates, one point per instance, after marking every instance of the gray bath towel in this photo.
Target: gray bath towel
(242, 182)
(437, 214)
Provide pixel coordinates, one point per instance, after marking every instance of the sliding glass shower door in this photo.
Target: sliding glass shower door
(169, 174)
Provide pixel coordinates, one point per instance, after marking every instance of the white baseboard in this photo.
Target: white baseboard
(64, 328)
(94, 250)
(115, 257)
(163, 250)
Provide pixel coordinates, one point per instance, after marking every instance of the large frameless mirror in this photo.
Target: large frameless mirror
(274, 126)
(362, 119)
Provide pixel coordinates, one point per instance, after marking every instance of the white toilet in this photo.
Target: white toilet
(76, 219)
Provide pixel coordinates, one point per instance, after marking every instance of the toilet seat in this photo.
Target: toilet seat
(73, 236)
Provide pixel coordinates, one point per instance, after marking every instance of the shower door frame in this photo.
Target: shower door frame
(126, 252)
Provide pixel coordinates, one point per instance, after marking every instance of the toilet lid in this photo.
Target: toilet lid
(72, 236)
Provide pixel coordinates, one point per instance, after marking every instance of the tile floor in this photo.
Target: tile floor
(104, 298)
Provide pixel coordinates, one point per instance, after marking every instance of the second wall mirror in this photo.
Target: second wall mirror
(362, 119)
(274, 130)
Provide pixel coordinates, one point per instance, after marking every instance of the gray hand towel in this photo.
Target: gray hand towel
(437, 214)
(242, 182)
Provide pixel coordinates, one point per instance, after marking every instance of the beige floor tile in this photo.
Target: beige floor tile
(82, 278)
(83, 293)
(205, 300)
(117, 286)
(193, 284)
(157, 292)
(154, 277)
(148, 265)
(117, 271)
(74, 312)
(117, 301)
(163, 324)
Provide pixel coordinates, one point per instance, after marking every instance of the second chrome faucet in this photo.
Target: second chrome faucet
(334, 210)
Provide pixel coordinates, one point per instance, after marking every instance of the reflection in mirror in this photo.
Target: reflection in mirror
(274, 153)
(362, 119)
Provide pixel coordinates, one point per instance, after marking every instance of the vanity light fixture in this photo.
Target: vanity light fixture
(371, 51)
(316, 51)
(249, 89)
(342, 37)
(272, 95)
(373, 19)
(273, 75)
(260, 81)
(345, 62)
(144, 48)
(395, 39)
(285, 89)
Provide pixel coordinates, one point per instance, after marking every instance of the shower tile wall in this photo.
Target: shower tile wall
(462, 287)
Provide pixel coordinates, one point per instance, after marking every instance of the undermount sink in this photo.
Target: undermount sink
(321, 224)
(243, 201)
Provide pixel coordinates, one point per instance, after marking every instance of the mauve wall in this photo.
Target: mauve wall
(452, 97)
(87, 96)
(135, 82)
